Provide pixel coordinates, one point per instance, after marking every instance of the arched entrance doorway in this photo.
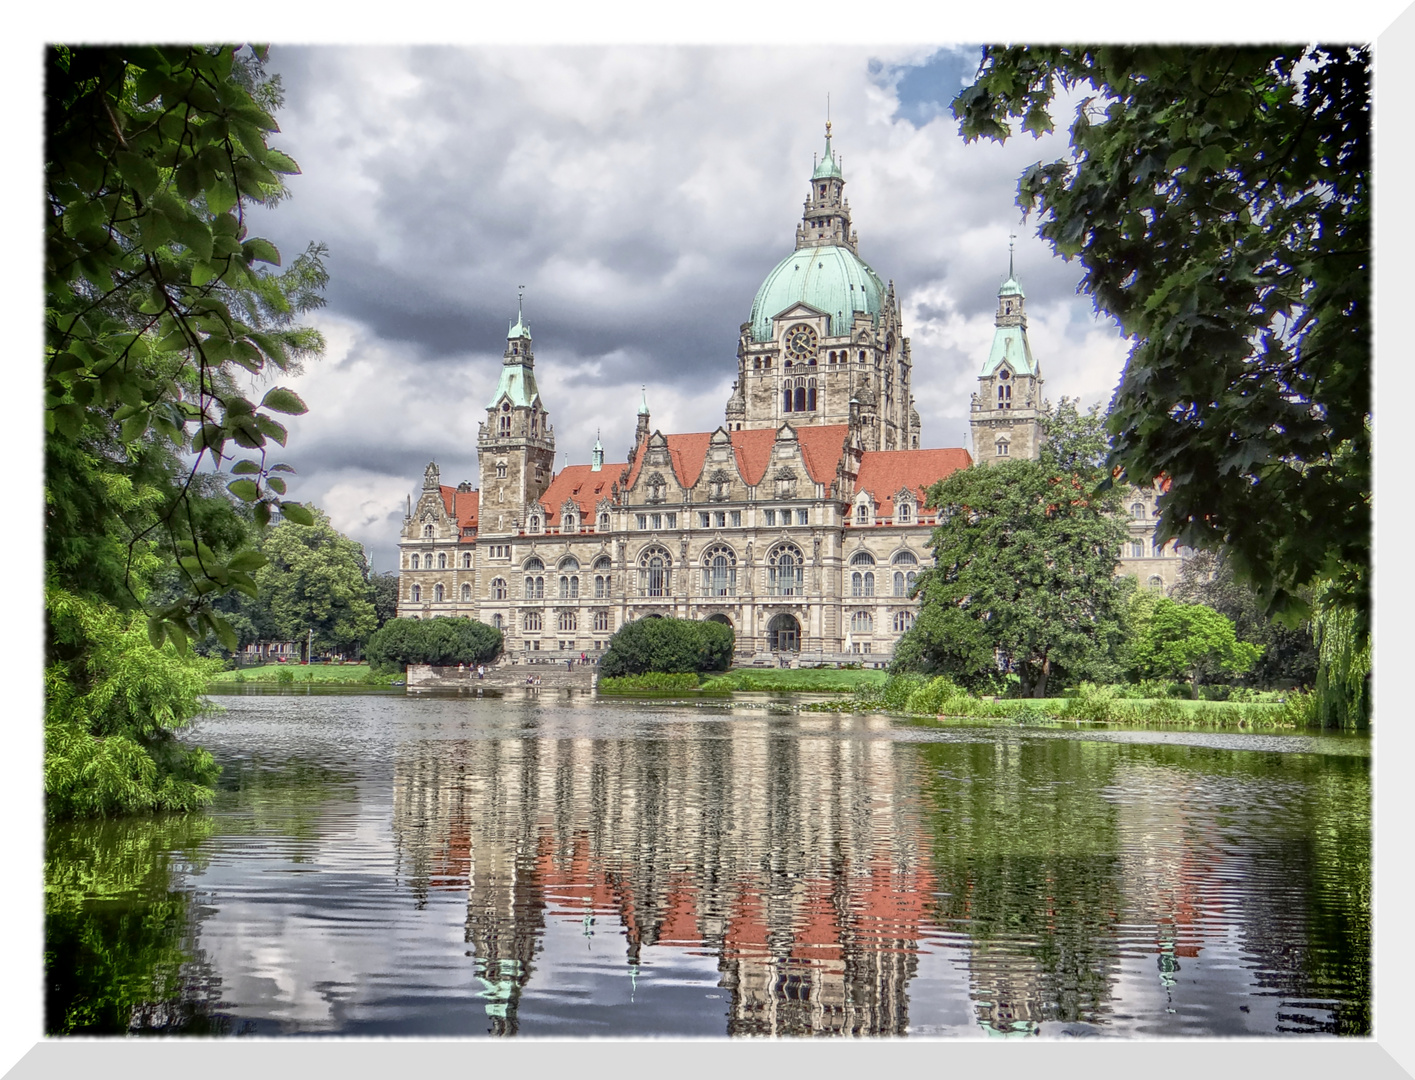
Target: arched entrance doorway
(784, 634)
(719, 617)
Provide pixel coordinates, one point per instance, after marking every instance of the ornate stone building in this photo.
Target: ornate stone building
(800, 521)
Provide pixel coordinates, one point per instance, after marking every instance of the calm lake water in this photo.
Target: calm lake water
(390, 865)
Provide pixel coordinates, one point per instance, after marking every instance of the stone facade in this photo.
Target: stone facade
(800, 521)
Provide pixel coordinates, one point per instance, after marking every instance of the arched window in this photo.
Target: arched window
(503, 422)
(862, 558)
(862, 622)
(786, 397)
(785, 571)
(535, 588)
(601, 586)
(569, 587)
(466, 560)
(567, 622)
(427, 530)
(655, 573)
(437, 592)
(903, 620)
(415, 562)
(534, 524)
(531, 621)
(905, 558)
(862, 356)
(899, 587)
(569, 523)
(800, 395)
(1004, 394)
(417, 593)
(862, 514)
(601, 622)
(1137, 510)
(719, 572)
(905, 512)
(442, 560)
(533, 565)
(811, 393)
(603, 563)
(1156, 583)
(498, 588)
(569, 563)
(466, 591)
(496, 621)
(862, 583)
(603, 522)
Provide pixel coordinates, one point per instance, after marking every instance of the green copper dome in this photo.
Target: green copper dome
(830, 278)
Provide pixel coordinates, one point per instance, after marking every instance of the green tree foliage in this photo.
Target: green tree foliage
(316, 578)
(155, 301)
(440, 642)
(384, 595)
(1190, 641)
(1289, 655)
(1218, 199)
(112, 705)
(1025, 557)
(1074, 441)
(668, 645)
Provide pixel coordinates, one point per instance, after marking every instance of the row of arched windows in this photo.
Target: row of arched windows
(441, 561)
(798, 395)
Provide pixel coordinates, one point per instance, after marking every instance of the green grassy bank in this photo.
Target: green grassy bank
(773, 680)
(303, 674)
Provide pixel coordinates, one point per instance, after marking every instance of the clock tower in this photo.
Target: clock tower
(516, 444)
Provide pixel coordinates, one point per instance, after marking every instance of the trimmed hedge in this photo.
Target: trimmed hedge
(400, 642)
(668, 645)
(649, 681)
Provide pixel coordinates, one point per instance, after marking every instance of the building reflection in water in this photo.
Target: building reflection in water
(792, 852)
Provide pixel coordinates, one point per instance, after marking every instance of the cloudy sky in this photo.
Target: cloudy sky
(640, 194)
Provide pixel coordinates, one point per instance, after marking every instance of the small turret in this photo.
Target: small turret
(597, 454)
(642, 431)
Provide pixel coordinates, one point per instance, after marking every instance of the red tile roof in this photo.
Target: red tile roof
(462, 505)
(884, 473)
(821, 447)
(582, 485)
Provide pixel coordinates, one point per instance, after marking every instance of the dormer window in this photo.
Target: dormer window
(862, 514)
(534, 524)
(904, 512)
(427, 531)
(569, 523)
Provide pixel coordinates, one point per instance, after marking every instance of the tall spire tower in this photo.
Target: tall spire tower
(1006, 412)
(516, 444)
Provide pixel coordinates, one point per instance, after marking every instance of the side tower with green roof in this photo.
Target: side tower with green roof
(825, 329)
(1006, 412)
(516, 444)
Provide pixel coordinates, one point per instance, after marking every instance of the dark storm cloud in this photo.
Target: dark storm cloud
(640, 195)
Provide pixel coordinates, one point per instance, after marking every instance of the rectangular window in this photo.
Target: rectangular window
(736, 519)
(771, 517)
(642, 520)
(657, 522)
(785, 515)
(722, 519)
(705, 519)
(803, 517)
(672, 520)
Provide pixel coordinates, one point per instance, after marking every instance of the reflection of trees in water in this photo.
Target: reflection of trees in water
(120, 950)
(121, 927)
(789, 850)
(1280, 843)
(1025, 855)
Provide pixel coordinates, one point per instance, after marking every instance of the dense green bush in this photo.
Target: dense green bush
(668, 645)
(440, 642)
(939, 695)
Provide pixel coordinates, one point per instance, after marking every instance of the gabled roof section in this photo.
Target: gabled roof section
(461, 505)
(821, 447)
(884, 473)
(581, 485)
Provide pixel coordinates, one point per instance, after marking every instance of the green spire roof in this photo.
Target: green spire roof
(518, 383)
(828, 166)
(644, 401)
(1009, 343)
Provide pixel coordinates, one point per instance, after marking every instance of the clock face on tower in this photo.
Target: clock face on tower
(801, 341)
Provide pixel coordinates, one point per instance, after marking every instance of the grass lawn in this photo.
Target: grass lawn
(356, 674)
(796, 680)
